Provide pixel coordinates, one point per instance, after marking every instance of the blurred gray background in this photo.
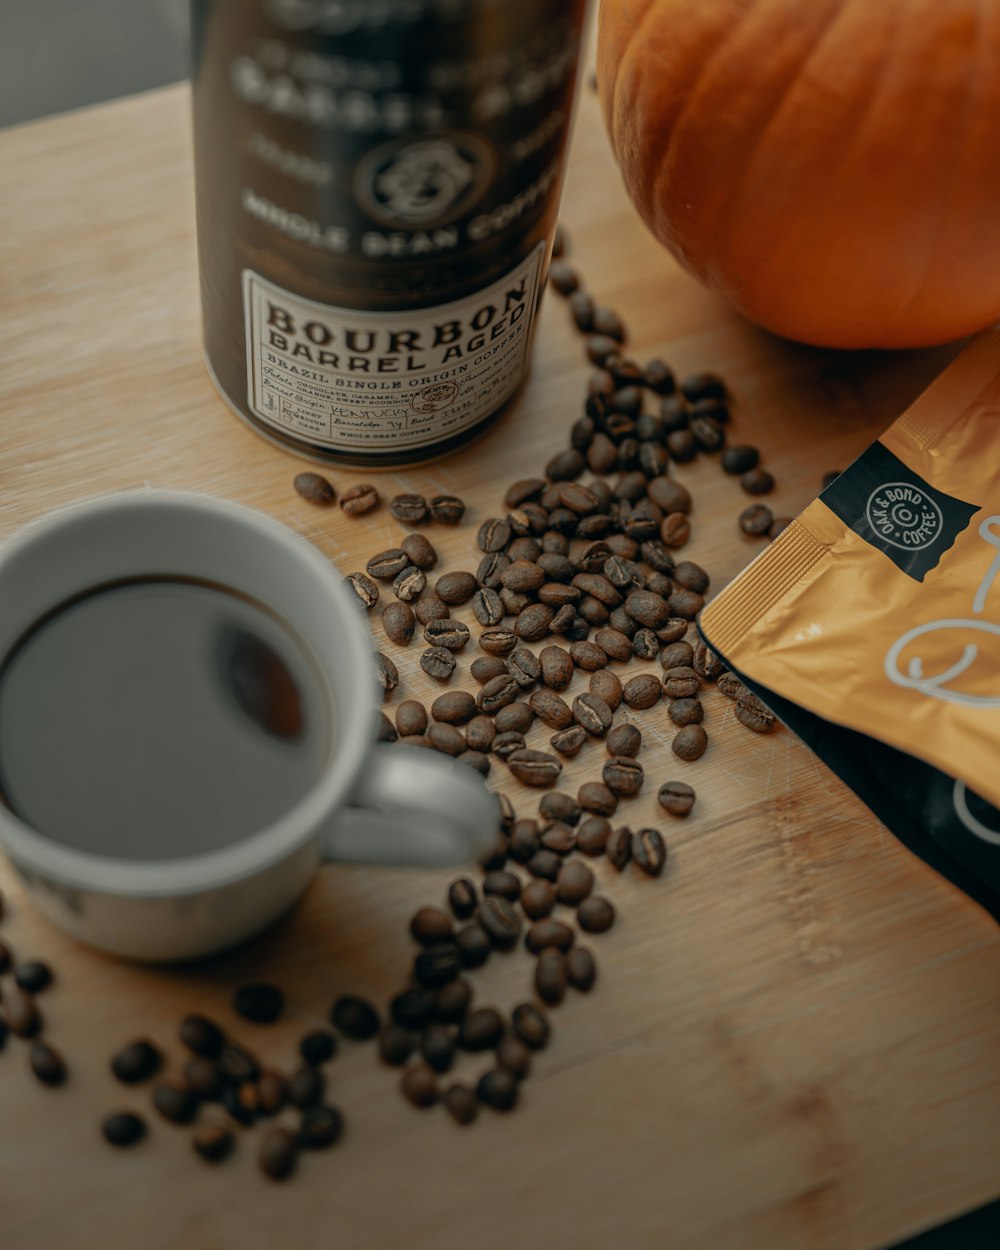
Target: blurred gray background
(62, 54)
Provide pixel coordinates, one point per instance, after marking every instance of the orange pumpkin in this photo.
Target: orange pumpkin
(831, 166)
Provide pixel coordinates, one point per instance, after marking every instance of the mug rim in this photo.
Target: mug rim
(32, 850)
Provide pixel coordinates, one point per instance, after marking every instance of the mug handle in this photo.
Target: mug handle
(413, 806)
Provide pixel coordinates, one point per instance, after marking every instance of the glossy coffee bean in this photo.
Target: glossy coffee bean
(649, 851)
(175, 1102)
(320, 1127)
(136, 1062)
(513, 1055)
(318, 1046)
(420, 1086)
(551, 977)
(278, 1153)
(574, 883)
(581, 970)
(595, 914)
(592, 836)
(355, 1017)
(453, 1001)
(124, 1128)
(33, 976)
(395, 1044)
(498, 1089)
(461, 1103)
(537, 899)
(259, 1002)
(430, 925)
(201, 1035)
(531, 1025)
(213, 1142)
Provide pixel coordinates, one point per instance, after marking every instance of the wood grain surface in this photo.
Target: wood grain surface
(793, 1041)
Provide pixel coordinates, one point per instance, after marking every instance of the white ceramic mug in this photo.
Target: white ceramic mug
(373, 802)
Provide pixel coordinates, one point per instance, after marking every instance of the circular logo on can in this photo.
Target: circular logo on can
(903, 515)
(424, 182)
(434, 398)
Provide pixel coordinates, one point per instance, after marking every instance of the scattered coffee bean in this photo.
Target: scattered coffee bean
(124, 1128)
(355, 1017)
(739, 459)
(136, 1062)
(757, 482)
(516, 717)
(409, 584)
(563, 277)
(756, 520)
(498, 917)
(486, 667)
(550, 976)
(682, 445)
(315, 488)
(21, 1014)
(453, 1001)
(456, 588)
(507, 744)
(544, 864)
(521, 491)
(649, 851)
(690, 743)
(595, 914)
(606, 686)
(581, 970)
(386, 672)
(592, 714)
(430, 608)
(523, 666)
(454, 708)
(547, 932)
(365, 589)
(411, 1009)
(623, 776)
(537, 899)
(641, 691)
(278, 1153)
(535, 768)
(592, 836)
(676, 797)
(419, 1086)
(272, 1089)
(595, 797)
(503, 883)
(575, 882)
(438, 1046)
(619, 847)
(238, 1064)
(430, 925)
(686, 712)
(447, 509)
(559, 806)
(260, 1002)
(419, 551)
(306, 1086)
(201, 1035)
(568, 741)
(213, 1142)
(204, 1077)
(461, 1103)
(438, 964)
(437, 662)
(175, 1102)
(386, 565)
(357, 500)
(750, 711)
(320, 1127)
(410, 509)
(551, 709)
(480, 733)
(446, 739)
(674, 630)
(730, 685)
(498, 1089)
(47, 1063)
(411, 718)
(559, 837)
(399, 623)
(513, 1055)
(498, 641)
(33, 976)
(481, 1029)
(705, 662)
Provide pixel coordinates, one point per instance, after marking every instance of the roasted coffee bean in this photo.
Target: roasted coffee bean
(550, 976)
(607, 322)
(175, 1102)
(430, 925)
(453, 1001)
(494, 534)
(581, 308)
(568, 741)
(478, 760)
(686, 712)
(626, 399)
(602, 454)
(647, 608)
(363, 586)
(563, 277)
(660, 585)
(507, 744)
(204, 1077)
(399, 623)
(575, 882)
(455, 588)
(507, 813)
(33, 976)
(386, 672)
(690, 576)
(306, 1086)
(419, 1086)
(677, 655)
(320, 1127)
(596, 586)
(595, 797)
(600, 347)
(624, 740)
(498, 1089)
(446, 739)
(462, 898)
(355, 1017)
(750, 711)
(514, 602)
(522, 490)
(649, 851)
(556, 665)
(530, 1025)
(447, 509)
(658, 377)
(411, 718)
(709, 433)
(739, 459)
(551, 709)
(533, 622)
(201, 1035)
(595, 914)
(588, 656)
(315, 488)
(607, 687)
(524, 547)
(619, 847)
(642, 691)
(409, 584)
(260, 1002)
(756, 520)
(438, 1046)
(461, 1103)
(757, 482)
(513, 1055)
(491, 569)
(278, 1153)
(430, 608)
(524, 667)
(241, 1102)
(581, 970)
(316, 1046)
(623, 574)
(558, 568)
(238, 1064)
(674, 413)
(672, 499)
(592, 837)
(674, 629)
(523, 840)
(357, 500)
(623, 776)
(680, 682)
(690, 743)
(653, 459)
(592, 714)
(387, 565)
(419, 551)
(137, 1062)
(730, 685)
(544, 864)
(481, 1029)
(675, 530)
(437, 662)
(682, 445)
(454, 708)
(537, 899)
(410, 509)
(578, 498)
(516, 717)
(123, 1129)
(558, 837)
(503, 883)
(437, 965)
(559, 806)
(485, 667)
(645, 644)
(497, 693)
(535, 768)
(480, 733)
(500, 920)
(498, 641)
(703, 386)
(213, 1142)
(488, 607)
(411, 1009)
(21, 1014)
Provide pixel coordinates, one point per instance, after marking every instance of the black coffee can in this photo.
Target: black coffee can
(377, 186)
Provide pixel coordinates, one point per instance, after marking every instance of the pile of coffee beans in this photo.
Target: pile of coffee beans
(21, 1018)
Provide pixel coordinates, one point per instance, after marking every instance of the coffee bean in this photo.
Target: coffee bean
(649, 851)
(624, 740)
(623, 776)
(600, 347)
(409, 584)
(260, 1002)
(592, 612)
(750, 711)
(592, 714)
(387, 565)
(522, 490)
(461, 1103)
(238, 1064)
(21, 1014)
(420, 1087)
(175, 1102)
(597, 586)
(446, 739)
(513, 1055)
(578, 498)
(607, 321)
(494, 535)
(682, 445)
(708, 431)
(487, 607)
(674, 630)
(47, 1063)
(514, 602)
(503, 883)
(496, 855)
(419, 551)
(675, 530)
(575, 882)
(537, 899)
(136, 1062)
(204, 1077)
(498, 1089)
(498, 641)
(550, 976)
(559, 806)
(481, 1029)
(568, 741)
(123, 1128)
(320, 1127)
(647, 608)
(454, 708)
(551, 709)
(498, 917)
(562, 277)
(592, 836)
(355, 1017)
(619, 847)
(681, 682)
(357, 500)
(386, 672)
(703, 386)
(595, 797)
(455, 588)
(278, 1153)
(677, 655)
(590, 656)
(201, 1035)
(535, 768)
(363, 586)
(411, 1009)
(478, 760)
(306, 1086)
(497, 693)
(486, 667)
(411, 718)
(606, 687)
(213, 1142)
(544, 863)
(453, 1001)
(581, 308)
(556, 667)
(315, 488)
(690, 743)
(437, 1046)
(437, 662)
(642, 691)
(524, 667)
(516, 717)
(523, 577)
(757, 482)
(730, 685)
(739, 459)
(533, 622)
(686, 712)
(595, 914)
(602, 455)
(507, 744)
(33, 976)
(399, 623)
(523, 840)
(430, 925)
(437, 965)
(530, 1025)
(410, 509)
(756, 520)
(447, 509)
(431, 608)
(480, 733)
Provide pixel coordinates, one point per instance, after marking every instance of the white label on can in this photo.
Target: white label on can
(346, 379)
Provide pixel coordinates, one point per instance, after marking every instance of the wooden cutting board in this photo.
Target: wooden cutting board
(793, 1041)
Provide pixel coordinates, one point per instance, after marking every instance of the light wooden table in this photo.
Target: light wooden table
(794, 1041)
